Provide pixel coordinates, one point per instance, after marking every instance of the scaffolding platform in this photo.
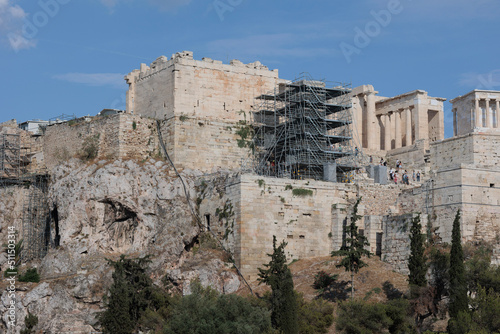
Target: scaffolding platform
(303, 130)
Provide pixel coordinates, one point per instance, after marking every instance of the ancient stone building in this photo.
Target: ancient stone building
(388, 123)
(476, 109)
(203, 103)
(201, 108)
(467, 169)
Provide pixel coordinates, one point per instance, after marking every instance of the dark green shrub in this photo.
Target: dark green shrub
(314, 317)
(322, 280)
(31, 275)
(90, 148)
(358, 316)
(205, 311)
(30, 321)
(302, 192)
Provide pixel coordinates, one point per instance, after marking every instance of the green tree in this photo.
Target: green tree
(483, 317)
(283, 302)
(362, 317)
(206, 311)
(314, 317)
(130, 295)
(458, 284)
(354, 248)
(416, 262)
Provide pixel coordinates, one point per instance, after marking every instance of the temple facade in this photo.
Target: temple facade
(476, 109)
(388, 123)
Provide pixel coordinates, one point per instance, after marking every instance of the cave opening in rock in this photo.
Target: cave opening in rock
(54, 214)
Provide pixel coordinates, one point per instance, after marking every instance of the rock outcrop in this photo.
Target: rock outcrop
(100, 211)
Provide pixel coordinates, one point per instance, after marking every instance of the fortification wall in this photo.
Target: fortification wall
(395, 240)
(305, 222)
(117, 136)
(216, 91)
(452, 152)
(468, 178)
(253, 208)
(198, 88)
(206, 145)
(412, 157)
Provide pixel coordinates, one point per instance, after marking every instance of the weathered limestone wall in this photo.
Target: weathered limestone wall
(413, 157)
(395, 240)
(306, 222)
(468, 178)
(452, 152)
(254, 208)
(117, 136)
(198, 88)
(378, 199)
(205, 100)
(205, 144)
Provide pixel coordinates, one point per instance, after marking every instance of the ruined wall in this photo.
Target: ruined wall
(117, 136)
(395, 240)
(413, 157)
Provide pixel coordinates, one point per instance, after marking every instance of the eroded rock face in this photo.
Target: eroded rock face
(101, 211)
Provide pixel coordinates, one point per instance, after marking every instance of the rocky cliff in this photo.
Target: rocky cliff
(99, 211)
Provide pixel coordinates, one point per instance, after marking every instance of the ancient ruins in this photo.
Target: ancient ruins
(288, 157)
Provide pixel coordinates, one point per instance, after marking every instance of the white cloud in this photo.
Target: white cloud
(11, 25)
(488, 81)
(94, 79)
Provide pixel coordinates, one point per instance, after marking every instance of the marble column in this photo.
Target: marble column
(421, 122)
(408, 127)
(497, 113)
(371, 128)
(397, 130)
(455, 125)
(479, 117)
(387, 132)
(488, 114)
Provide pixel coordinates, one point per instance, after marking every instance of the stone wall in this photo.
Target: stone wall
(118, 136)
(468, 178)
(207, 145)
(255, 208)
(395, 240)
(413, 157)
(198, 88)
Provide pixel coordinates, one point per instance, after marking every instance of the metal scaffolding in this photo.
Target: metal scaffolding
(14, 164)
(10, 158)
(36, 219)
(303, 130)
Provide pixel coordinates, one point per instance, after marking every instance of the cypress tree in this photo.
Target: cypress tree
(458, 284)
(129, 296)
(416, 262)
(284, 307)
(354, 248)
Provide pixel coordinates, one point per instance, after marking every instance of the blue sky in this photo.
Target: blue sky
(70, 56)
